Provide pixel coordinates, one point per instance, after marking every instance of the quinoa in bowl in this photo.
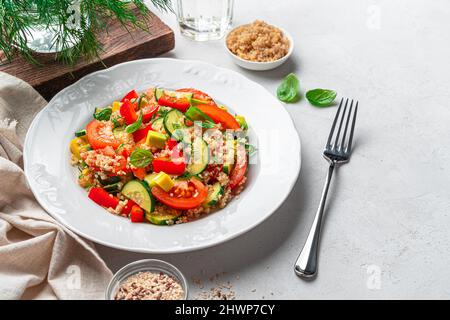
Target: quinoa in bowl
(258, 42)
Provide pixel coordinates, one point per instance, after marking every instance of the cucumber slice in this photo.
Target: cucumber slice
(199, 157)
(139, 192)
(80, 133)
(158, 93)
(174, 123)
(162, 219)
(158, 125)
(214, 195)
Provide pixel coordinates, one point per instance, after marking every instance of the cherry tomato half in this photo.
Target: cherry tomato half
(100, 135)
(184, 195)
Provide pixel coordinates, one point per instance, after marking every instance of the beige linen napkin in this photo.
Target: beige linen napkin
(39, 258)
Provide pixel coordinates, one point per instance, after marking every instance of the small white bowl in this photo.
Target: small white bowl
(261, 66)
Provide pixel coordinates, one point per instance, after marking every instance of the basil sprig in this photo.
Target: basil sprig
(103, 114)
(141, 158)
(321, 97)
(288, 90)
(135, 126)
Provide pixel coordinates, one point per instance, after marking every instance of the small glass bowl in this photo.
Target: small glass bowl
(152, 265)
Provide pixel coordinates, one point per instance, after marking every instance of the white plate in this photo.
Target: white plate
(53, 180)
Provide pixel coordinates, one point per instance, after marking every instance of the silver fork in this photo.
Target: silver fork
(337, 151)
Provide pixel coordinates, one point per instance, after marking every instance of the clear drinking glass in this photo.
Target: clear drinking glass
(204, 20)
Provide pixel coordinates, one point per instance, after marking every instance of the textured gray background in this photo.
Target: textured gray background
(386, 232)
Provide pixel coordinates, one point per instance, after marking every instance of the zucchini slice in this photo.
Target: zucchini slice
(139, 192)
(174, 123)
(158, 125)
(199, 157)
(162, 219)
(214, 195)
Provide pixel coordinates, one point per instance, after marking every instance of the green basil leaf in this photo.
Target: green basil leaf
(141, 158)
(250, 149)
(135, 126)
(162, 112)
(321, 97)
(288, 90)
(103, 115)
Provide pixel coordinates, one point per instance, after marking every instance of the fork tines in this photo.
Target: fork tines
(335, 142)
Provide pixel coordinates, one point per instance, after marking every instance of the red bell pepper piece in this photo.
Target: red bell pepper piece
(220, 116)
(137, 214)
(142, 133)
(181, 104)
(126, 210)
(128, 112)
(170, 167)
(130, 95)
(103, 198)
(148, 111)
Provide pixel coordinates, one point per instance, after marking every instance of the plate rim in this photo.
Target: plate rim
(94, 239)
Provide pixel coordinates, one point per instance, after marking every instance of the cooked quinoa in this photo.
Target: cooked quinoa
(258, 41)
(150, 174)
(150, 286)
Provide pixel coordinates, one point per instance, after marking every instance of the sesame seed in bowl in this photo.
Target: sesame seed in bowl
(148, 279)
(259, 46)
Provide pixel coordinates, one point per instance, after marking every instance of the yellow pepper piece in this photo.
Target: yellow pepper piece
(77, 145)
(242, 122)
(156, 139)
(116, 105)
(150, 179)
(163, 180)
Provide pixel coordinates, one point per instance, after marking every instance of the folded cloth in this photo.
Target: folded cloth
(39, 258)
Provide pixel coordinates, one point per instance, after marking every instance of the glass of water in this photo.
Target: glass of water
(204, 20)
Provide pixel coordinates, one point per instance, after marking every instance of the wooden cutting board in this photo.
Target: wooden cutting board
(118, 46)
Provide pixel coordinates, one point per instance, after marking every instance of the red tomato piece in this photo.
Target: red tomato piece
(103, 198)
(195, 193)
(137, 214)
(100, 135)
(220, 116)
(139, 173)
(128, 112)
(130, 95)
(238, 172)
(170, 167)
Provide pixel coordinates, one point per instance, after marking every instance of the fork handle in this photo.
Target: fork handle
(306, 264)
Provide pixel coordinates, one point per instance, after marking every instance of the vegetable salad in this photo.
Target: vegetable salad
(162, 156)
